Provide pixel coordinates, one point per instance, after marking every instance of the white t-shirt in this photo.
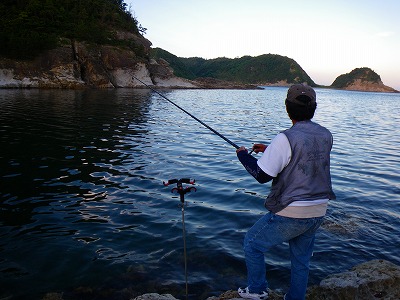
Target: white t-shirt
(276, 157)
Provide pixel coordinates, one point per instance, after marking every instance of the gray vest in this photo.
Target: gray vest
(307, 176)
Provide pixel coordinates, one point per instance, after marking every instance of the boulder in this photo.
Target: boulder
(154, 296)
(376, 279)
(372, 280)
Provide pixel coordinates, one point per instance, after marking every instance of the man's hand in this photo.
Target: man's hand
(243, 148)
(259, 148)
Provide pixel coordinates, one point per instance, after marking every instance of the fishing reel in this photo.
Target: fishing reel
(179, 187)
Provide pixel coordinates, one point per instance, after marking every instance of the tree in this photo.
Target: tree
(28, 27)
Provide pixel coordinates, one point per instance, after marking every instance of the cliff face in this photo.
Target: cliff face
(362, 79)
(360, 85)
(79, 65)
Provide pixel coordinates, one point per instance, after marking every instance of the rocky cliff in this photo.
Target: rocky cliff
(78, 65)
(362, 79)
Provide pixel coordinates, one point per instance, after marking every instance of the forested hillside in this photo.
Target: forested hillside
(27, 27)
(267, 68)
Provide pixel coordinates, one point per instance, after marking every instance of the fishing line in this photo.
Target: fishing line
(185, 111)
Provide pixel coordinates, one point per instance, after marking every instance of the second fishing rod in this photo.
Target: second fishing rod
(185, 111)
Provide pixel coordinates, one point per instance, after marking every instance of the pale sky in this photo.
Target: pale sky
(327, 38)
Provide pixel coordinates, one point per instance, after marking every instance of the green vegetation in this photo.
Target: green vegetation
(28, 27)
(180, 68)
(268, 68)
(365, 74)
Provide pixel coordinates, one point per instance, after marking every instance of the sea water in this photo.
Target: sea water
(84, 212)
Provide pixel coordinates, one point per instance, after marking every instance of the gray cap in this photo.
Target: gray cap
(301, 90)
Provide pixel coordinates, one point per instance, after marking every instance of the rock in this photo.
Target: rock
(227, 295)
(365, 86)
(79, 65)
(154, 296)
(163, 75)
(55, 69)
(373, 280)
(53, 296)
(376, 279)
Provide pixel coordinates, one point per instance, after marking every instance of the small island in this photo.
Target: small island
(362, 79)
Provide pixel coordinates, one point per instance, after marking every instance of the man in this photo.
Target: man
(298, 162)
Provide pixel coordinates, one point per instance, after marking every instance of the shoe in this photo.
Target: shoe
(244, 293)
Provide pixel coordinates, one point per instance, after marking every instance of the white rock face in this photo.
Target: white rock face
(173, 82)
(125, 77)
(7, 79)
(79, 65)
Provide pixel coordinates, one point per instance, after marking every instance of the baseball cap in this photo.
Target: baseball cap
(297, 90)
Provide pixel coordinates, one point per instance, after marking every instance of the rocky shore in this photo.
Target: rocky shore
(372, 280)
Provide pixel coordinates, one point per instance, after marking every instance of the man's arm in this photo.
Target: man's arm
(250, 164)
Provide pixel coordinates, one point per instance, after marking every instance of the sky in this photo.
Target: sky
(326, 38)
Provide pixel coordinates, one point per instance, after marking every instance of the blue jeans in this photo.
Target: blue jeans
(272, 230)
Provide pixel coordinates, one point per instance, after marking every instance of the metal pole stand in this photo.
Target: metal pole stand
(182, 191)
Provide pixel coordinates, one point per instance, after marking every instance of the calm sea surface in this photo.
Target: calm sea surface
(83, 209)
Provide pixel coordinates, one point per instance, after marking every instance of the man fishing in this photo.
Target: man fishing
(298, 163)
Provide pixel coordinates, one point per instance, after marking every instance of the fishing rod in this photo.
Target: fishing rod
(198, 120)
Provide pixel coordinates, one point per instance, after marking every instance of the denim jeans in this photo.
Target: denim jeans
(272, 230)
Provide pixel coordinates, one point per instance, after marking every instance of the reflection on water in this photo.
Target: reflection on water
(83, 210)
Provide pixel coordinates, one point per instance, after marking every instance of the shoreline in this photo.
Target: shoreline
(374, 279)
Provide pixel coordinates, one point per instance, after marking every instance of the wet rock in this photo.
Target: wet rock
(53, 296)
(373, 280)
(376, 279)
(154, 296)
